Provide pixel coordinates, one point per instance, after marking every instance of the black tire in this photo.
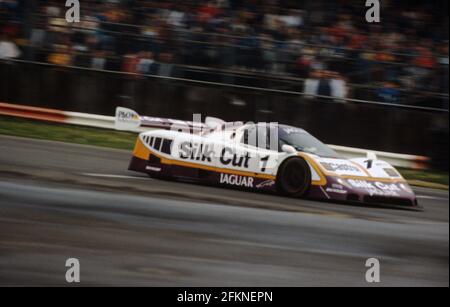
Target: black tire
(294, 177)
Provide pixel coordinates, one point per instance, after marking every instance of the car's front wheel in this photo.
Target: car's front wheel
(294, 177)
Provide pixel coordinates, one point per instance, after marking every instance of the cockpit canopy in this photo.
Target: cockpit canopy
(274, 136)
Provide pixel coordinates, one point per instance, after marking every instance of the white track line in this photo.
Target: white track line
(115, 176)
(431, 197)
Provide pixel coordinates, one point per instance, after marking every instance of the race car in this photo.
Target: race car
(259, 156)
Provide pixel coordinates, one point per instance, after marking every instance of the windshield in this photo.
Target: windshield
(302, 141)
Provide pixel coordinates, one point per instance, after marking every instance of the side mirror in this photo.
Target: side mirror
(288, 149)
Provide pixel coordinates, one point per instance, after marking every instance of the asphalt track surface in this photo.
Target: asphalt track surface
(60, 201)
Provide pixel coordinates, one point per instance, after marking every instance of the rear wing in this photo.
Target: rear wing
(129, 120)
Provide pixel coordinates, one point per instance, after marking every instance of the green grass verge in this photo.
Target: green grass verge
(125, 140)
(66, 133)
(426, 178)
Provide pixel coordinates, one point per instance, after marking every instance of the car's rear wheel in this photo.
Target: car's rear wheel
(294, 177)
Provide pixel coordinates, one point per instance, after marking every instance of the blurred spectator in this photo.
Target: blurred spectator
(147, 65)
(208, 11)
(8, 49)
(311, 85)
(326, 83)
(177, 17)
(389, 93)
(424, 66)
(11, 10)
(443, 73)
(282, 38)
(292, 18)
(130, 63)
(338, 86)
(166, 67)
(53, 9)
(60, 56)
(99, 60)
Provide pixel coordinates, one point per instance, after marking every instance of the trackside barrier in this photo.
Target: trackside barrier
(107, 122)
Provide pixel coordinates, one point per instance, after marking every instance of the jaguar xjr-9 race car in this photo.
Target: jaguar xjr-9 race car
(262, 157)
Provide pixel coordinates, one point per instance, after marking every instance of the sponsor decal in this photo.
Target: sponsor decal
(336, 188)
(196, 151)
(376, 188)
(337, 191)
(330, 166)
(387, 187)
(362, 184)
(152, 168)
(229, 157)
(266, 184)
(205, 152)
(291, 130)
(126, 119)
(124, 116)
(236, 180)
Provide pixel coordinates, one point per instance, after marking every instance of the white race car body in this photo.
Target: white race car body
(226, 157)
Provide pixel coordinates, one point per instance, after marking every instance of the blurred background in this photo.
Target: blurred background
(314, 64)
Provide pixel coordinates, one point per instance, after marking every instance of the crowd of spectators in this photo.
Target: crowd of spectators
(311, 40)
